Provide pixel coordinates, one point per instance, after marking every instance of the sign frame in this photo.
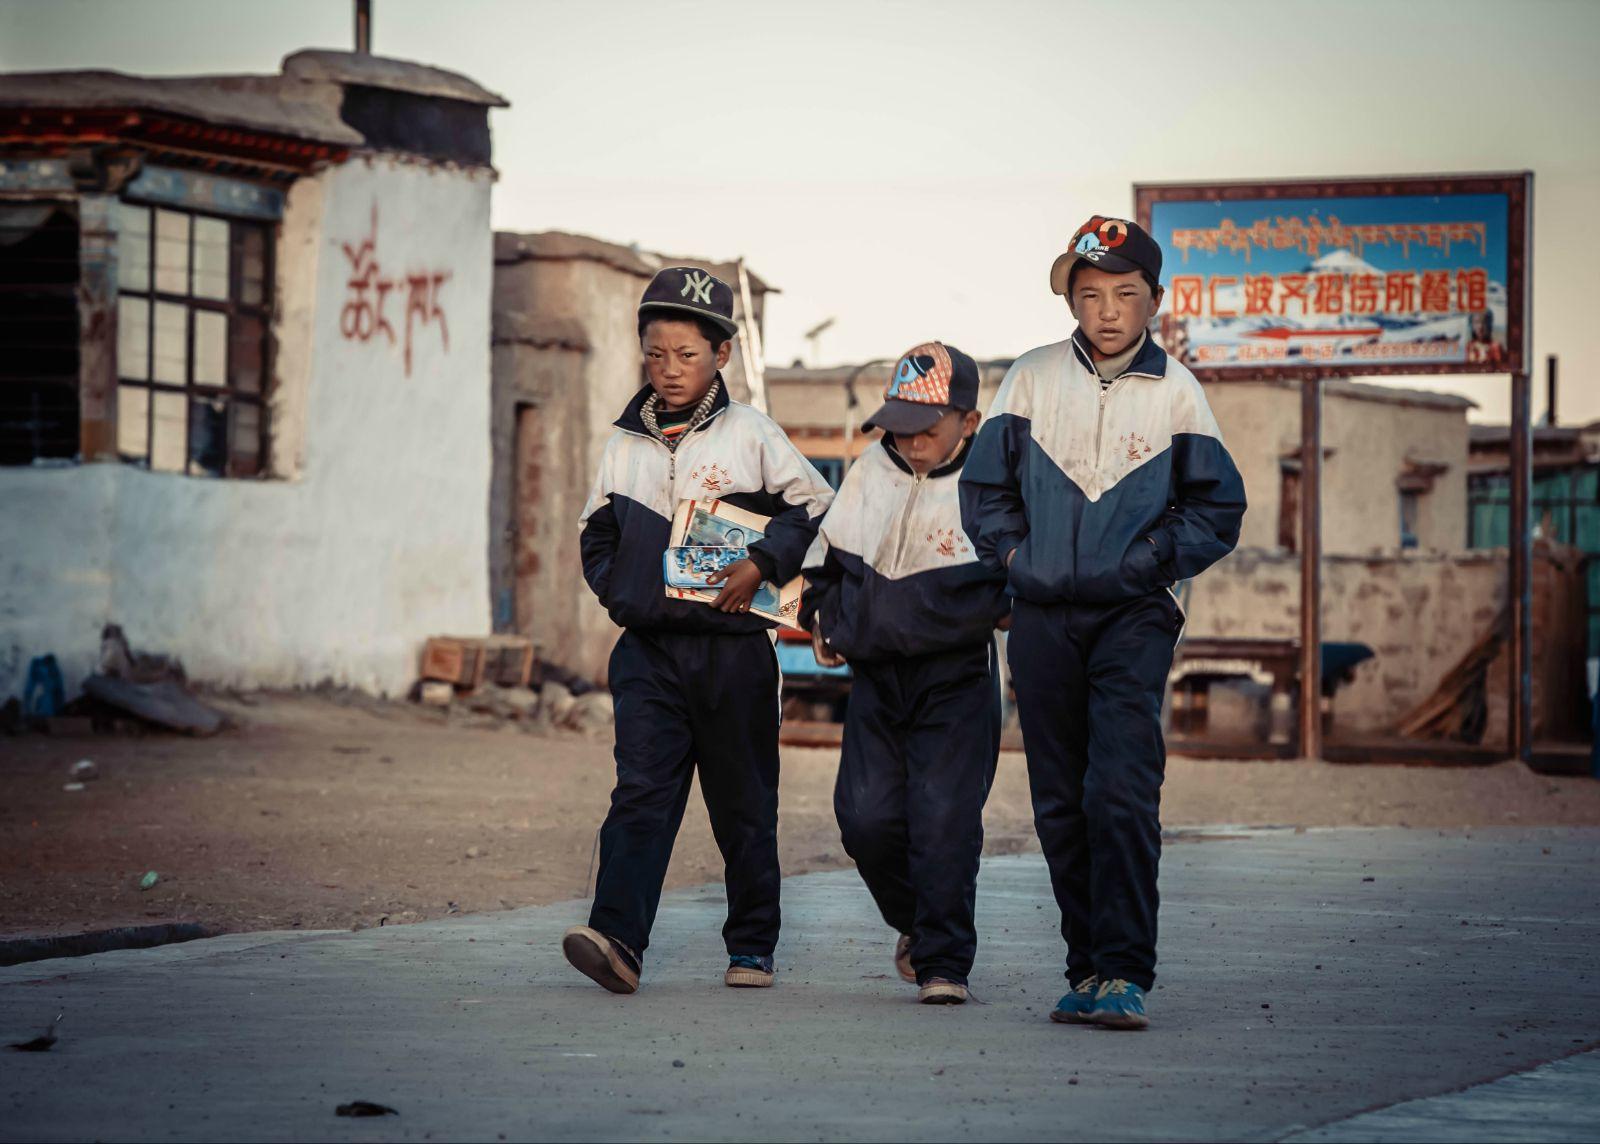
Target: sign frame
(1517, 186)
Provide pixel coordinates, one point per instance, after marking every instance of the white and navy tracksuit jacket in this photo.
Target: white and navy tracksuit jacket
(693, 686)
(897, 589)
(739, 455)
(892, 572)
(1108, 496)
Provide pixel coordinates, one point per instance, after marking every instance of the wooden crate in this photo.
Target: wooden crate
(469, 661)
(507, 660)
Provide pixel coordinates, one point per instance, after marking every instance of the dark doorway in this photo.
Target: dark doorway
(38, 333)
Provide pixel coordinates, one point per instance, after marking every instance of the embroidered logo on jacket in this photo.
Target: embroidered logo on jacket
(946, 542)
(713, 478)
(1135, 447)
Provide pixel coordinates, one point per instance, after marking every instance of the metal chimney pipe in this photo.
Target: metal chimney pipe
(364, 27)
(1550, 390)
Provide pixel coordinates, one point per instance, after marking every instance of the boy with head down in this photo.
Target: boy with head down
(895, 589)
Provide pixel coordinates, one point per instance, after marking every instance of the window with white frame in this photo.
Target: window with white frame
(193, 306)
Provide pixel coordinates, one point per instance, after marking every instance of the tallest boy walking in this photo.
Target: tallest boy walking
(1098, 480)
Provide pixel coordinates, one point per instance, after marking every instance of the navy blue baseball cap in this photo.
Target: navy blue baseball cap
(1115, 245)
(679, 290)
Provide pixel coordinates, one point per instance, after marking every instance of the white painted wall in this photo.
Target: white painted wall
(373, 535)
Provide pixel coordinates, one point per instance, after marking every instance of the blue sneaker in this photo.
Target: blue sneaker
(747, 971)
(1119, 1005)
(1075, 1008)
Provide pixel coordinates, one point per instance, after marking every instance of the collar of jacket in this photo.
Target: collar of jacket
(1151, 362)
(631, 422)
(953, 465)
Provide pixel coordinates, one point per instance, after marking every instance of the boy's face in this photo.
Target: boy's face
(680, 362)
(1113, 309)
(925, 451)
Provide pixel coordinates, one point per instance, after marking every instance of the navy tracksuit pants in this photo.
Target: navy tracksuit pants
(682, 701)
(1089, 680)
(921, 737)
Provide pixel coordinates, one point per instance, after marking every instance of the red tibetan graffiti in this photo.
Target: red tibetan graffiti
(365, 313)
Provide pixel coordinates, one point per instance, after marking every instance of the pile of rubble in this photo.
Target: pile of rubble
(553, 705)
(498, 681)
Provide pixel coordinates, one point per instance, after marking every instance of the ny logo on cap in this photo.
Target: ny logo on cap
(700, 283)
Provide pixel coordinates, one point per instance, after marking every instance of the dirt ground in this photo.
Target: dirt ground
(336, 811)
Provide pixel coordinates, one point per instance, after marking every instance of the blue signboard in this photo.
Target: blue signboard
(1402, 276)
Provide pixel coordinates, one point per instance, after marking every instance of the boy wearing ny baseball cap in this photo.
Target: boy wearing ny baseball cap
(695, 686)
(1099, 480)
(895, 589)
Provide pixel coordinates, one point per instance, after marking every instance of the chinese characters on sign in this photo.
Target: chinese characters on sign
(366, 309)
(1371, 282)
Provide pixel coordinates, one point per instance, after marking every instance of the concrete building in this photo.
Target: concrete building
(244, 393)
(1565, 505)
(566, 361)
(1394, 471)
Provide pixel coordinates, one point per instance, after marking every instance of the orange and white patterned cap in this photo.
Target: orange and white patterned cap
(927, 380)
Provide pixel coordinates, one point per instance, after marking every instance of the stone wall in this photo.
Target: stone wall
(1368, 440)
(1419, 613)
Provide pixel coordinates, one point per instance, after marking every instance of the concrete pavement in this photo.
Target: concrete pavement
(1306, 978)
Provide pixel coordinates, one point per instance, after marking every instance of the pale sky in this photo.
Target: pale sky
(911, 169)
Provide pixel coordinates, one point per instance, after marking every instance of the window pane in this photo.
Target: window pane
(1553, 487)
(133, 421)
(245, 368)
(210, 348)
(168, 448)
(244, 438)
(172, 343)
(208, 437)
(1586, 485)
(172, 252)
(1588, 537)
(252, 264)
(133, 247)
(210, 258)
(133, 338)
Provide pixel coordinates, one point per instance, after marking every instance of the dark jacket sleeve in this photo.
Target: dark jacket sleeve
(992, 511)
(598, 546)
(1202, 526)
(822, 584)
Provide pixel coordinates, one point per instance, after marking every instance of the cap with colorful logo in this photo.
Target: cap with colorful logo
(690, 290)
(928, 381)
(1115, 245)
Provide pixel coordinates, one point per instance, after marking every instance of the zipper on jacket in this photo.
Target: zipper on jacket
(1100, 422)
(905, 520)
(672, 454)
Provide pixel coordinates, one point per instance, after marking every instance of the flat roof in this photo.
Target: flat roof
(511, 247)
(302, 102)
